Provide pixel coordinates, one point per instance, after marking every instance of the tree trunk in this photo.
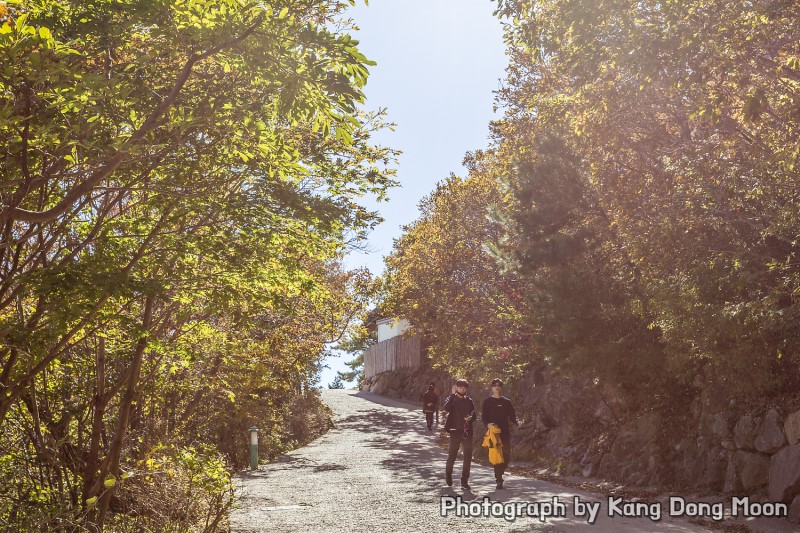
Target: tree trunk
(111, 464)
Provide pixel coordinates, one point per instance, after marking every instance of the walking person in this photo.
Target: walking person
(460, 426)
(497, 411)
(430, 405)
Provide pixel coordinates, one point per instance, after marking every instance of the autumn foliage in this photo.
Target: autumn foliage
(635, 222)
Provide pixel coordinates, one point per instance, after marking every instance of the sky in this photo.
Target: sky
(439, 63)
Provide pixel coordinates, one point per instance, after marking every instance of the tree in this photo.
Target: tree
(441, 276)
(583, 298)
(683, 125)
(360, 337)
(337, 383)
(180, 181)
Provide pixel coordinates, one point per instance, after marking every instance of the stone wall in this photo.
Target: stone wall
(578, 428)
(407, 383)
(717, 447)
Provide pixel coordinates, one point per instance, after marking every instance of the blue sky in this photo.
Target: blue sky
(439, 62)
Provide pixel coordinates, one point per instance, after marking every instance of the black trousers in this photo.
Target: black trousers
(429, 419)
(456, 439)
(500, 469)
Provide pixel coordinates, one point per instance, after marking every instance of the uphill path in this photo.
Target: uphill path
(379, 469)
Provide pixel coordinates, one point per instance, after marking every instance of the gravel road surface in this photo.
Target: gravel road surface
(380, 470)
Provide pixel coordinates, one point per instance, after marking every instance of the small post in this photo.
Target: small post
(253, 448)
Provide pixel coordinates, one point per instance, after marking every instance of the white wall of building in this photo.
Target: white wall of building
(389, 328)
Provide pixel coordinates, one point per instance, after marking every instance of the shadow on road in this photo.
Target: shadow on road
(380, 469)
(416, 458)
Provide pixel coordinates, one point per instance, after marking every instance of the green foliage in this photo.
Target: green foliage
(360, 336)
(190, 486)
(180, 180)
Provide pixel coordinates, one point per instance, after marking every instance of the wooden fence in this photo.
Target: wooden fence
(397, 352)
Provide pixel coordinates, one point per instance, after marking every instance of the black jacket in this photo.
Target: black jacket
(429, 402)
(458, 409)
(499, 411)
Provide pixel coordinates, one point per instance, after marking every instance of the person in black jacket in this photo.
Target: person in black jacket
(430, 404)
(498, 411)
(460, 426)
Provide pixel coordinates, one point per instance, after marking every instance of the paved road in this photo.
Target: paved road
(379, 470)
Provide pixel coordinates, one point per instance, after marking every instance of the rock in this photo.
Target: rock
(689, 463)
(613, 399)
(534, 395)
(379, 384)
(716, 468)
(648, 426)
(629, 455)
(744, 433)
(586, 457)
(770, 438)
(752, 469)
(396, 380)
(784, 474)
(365, 385)
(794, 510)
(792, 428)
(720, 426)
(733, 483)
(746, 473)
(589, 461)
(714, 395)
(651, 458)
(696, 409)
(559, 438)
(604, 413)
(540, 375)
(637, 479)
(547, 420)
(706, 428)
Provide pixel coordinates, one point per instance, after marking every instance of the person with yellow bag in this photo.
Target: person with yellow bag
(497, 412)
(492, 441)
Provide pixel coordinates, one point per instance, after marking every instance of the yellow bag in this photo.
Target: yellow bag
(492, 441)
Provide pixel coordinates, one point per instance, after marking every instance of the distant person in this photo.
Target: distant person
(497, 411)
(430, 405)
(460, 426)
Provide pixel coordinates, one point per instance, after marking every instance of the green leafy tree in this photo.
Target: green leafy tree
(359, 338)
(180, 181)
